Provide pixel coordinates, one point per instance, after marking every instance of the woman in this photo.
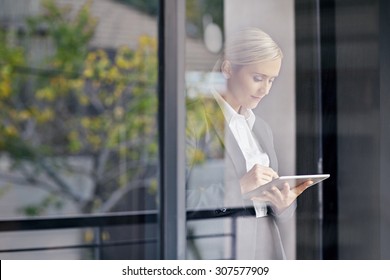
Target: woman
(232, 133)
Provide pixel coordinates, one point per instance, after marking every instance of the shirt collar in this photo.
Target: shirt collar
(230, 114)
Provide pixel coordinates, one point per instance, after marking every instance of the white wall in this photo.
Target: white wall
(278, 109)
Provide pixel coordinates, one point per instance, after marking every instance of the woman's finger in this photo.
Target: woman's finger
(277, 194)
(302, 187)
(286, 189)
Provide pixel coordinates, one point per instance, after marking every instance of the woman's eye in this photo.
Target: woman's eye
(257, 78)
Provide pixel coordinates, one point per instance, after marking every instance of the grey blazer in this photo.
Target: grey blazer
(258, 238)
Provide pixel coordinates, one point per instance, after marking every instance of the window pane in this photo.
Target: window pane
(78, 98)
(218, 156)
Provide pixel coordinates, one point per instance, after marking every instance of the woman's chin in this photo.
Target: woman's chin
(253, 105)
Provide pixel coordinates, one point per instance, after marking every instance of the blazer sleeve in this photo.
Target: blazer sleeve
(265, 137)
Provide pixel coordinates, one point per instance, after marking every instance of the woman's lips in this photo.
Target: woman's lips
(257, 97)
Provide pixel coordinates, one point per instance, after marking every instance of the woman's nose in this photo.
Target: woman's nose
(263, 89)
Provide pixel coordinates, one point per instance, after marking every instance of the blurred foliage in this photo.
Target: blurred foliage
(70, 36)
(88, 103)
(205, 126)
(9, 82)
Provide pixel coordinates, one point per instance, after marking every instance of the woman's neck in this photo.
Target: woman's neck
(231, 101)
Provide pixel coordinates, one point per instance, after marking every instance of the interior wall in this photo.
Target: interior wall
(278, 109)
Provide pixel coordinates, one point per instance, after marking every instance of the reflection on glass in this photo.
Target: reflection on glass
(78, 104)
(230, 152)
(78, 129)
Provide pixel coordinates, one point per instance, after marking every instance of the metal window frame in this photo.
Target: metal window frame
(384, 68)
(172, 210)
(316, 108)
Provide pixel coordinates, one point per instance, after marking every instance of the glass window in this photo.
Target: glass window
(271, 88)
(327, 112)
(219, 76)
(78, 98)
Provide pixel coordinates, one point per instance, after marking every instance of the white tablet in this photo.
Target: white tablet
(293, 181)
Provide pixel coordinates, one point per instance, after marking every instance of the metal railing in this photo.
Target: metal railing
(100, 221)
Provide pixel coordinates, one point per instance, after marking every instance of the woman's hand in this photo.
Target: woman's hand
(281, 199)
(257, 176)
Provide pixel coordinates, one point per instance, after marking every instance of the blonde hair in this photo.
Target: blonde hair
(249, 46)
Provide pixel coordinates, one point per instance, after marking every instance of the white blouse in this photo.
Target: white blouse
(241, 125)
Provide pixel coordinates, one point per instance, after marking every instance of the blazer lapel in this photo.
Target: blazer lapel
(264, 137)
(226, 138)
(217, 123)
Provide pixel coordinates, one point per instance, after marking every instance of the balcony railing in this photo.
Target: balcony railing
(99, 221)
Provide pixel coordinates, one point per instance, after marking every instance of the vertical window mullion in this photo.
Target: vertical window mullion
(172, 129)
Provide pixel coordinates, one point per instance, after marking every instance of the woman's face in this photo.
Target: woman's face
(248, 84)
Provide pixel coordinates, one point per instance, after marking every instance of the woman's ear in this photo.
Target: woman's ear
(226, 69)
